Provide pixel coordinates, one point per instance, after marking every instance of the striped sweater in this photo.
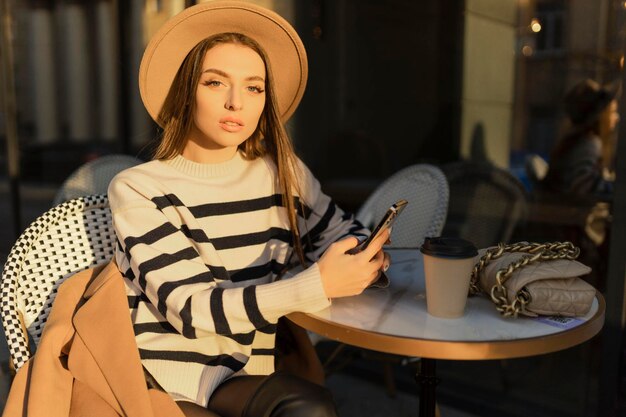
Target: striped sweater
(200, 247)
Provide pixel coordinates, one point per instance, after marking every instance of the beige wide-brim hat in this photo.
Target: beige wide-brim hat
(173, 41)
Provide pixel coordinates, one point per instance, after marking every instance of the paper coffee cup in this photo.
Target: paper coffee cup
(448, 264)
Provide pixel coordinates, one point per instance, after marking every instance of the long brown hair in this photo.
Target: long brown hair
(269, 138)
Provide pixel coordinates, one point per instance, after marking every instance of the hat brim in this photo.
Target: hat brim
(170, 45)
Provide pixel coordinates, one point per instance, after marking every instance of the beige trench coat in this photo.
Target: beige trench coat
(87, 362)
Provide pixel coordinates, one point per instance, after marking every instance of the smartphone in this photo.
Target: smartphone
(386, 223)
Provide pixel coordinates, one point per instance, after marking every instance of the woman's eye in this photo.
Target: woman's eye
(213, 83)
(255, 89)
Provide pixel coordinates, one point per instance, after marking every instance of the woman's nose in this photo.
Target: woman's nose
(234, 101)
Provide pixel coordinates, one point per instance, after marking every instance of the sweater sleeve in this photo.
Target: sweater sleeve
(323, 221)
(173, 262)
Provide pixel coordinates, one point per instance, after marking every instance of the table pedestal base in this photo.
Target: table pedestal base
(427, 379)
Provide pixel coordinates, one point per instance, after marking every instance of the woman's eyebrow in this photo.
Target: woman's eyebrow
(216, 71)
(225, 75)
(255, 78)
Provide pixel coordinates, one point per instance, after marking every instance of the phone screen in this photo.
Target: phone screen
(385, 223)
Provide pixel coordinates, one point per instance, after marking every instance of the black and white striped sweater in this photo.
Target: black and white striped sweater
(201, 246)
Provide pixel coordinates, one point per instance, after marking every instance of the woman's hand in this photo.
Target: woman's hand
(344, 275)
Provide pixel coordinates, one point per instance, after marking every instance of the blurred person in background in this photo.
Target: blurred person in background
(581, 163)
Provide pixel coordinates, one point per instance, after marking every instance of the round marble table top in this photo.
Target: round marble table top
(395, 320)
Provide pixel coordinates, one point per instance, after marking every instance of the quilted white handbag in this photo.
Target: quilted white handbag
(534, 279)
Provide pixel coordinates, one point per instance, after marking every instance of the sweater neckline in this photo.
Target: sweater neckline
(208, 170)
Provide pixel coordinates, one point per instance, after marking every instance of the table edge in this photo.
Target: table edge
(438, 349)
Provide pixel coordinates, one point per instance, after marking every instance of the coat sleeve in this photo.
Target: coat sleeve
(14, 406)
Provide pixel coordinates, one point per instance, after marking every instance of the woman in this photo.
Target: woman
(581, 162)
(206, 228)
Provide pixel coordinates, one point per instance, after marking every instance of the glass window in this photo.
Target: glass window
(391, 84)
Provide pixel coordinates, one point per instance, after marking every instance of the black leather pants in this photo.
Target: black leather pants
(285, 395)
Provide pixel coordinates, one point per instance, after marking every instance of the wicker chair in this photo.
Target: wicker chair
(486, 203)
(426, 189)
(94, 177)
(68, 238)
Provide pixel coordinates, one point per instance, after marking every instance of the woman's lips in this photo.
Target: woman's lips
(231, 127)
(231, 124)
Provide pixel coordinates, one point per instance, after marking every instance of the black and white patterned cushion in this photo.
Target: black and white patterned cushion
(68, 238)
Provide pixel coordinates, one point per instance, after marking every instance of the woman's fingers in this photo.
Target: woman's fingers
(344, 275)
(374, 277)
(379, 257)
(346, 244)
(384, 265)
(386, 261)
(376, 245)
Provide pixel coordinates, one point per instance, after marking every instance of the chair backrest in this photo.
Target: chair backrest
(425, 188)
(94, 177)
(68, 238)
(486, 203)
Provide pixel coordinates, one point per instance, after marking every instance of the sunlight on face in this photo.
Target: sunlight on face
(230, 98)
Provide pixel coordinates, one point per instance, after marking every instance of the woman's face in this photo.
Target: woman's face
(230, 98)
(611, 115)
